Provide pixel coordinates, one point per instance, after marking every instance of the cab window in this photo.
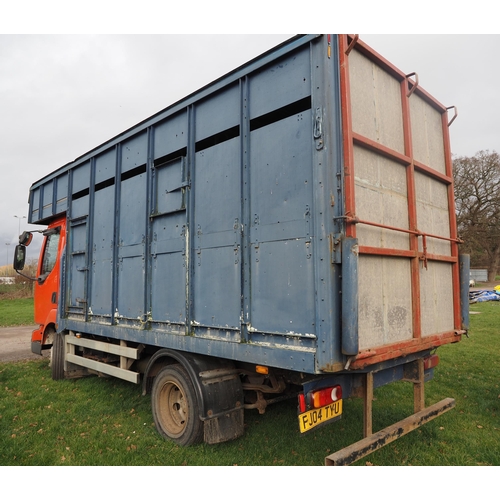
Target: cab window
(50, 253)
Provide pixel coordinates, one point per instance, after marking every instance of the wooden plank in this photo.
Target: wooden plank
(358, 450)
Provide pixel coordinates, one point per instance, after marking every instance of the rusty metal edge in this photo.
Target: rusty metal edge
(360, 449)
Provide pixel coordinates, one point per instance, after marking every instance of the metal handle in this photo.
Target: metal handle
(454, 116)
(352, 44)
(410, 92)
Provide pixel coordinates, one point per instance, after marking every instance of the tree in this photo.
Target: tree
(477, 195)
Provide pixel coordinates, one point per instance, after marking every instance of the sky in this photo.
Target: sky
(62, 95)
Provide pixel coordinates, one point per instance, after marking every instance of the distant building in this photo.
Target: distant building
(480, 275)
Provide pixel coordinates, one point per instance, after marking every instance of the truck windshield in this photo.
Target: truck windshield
(50, 253)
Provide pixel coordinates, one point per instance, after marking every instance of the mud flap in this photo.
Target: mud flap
(225, 427)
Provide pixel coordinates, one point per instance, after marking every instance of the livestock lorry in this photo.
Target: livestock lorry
(285, 231)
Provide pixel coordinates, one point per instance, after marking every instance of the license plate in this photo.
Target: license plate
(312, 418)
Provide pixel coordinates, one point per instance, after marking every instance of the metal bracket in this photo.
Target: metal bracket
(318, 129)
(454, 116)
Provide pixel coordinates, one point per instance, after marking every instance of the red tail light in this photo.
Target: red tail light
(326, 396)
(302, 403)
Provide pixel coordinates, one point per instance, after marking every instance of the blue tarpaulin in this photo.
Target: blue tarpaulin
(483, 296)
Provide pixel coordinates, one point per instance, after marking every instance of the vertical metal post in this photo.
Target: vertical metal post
(457, 303)
(245, 208)
(90, 240)
(368, 405)
(412, 210)
(464, 261)
(116, 233)
(350, 341)
(345, 93)
(148, 259)
(418, 388)
(190, 174)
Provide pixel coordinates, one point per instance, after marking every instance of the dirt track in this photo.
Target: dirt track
(15, 344)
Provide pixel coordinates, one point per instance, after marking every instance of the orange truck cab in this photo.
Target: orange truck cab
(47, 285)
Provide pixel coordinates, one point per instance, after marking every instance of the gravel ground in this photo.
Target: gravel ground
(15, 344)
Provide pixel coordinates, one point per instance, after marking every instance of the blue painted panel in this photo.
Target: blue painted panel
(217, 188)
(464, 262)
(282, 287)
(35, 205)
(167, 229)
(105, 166)
(350, 293)
(169, 181)
(217, 235)
(132, 247)
(81, 177)
(61, 193)
(134, 152)
(133, 211)
(48, 198)
(168, 287)
(217, 113)
(131, 282)
(281, 171)
(280, 83)
(168, 280)
(217, 287)
(171, 135)
(281, 269)
(77, 245)
(102, 254)
(100, 303)
(80, 207)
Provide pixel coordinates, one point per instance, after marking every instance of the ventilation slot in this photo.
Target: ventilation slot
(80, 194)
(104, 184)
(218, 138)
(171, 156)
(280, 114)
(134, 172)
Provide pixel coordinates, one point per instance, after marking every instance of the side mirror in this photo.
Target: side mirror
(19, 257)
(25, 238)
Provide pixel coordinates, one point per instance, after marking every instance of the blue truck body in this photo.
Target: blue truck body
(223, 227)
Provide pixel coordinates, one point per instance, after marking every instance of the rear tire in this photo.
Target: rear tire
(175, 406)
(57, 357)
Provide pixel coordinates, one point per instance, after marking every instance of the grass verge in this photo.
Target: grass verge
(16, 312)
(95, 421)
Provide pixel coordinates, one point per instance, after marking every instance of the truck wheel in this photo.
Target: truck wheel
(175, 407)
(57, 357)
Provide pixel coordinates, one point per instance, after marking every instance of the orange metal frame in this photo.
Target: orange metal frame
(418, 258)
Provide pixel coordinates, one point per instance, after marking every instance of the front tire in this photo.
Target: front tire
(175, 406)
(57, 357)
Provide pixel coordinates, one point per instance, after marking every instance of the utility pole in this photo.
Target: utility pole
(19, 219)
(6, 271)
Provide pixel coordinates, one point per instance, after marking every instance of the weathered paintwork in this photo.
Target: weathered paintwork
(276, 216)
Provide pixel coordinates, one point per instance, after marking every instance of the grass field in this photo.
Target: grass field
(98, 421)
(16, 312)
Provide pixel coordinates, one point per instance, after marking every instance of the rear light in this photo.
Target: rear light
(431, 362)
(326, 396)
(302, 403)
